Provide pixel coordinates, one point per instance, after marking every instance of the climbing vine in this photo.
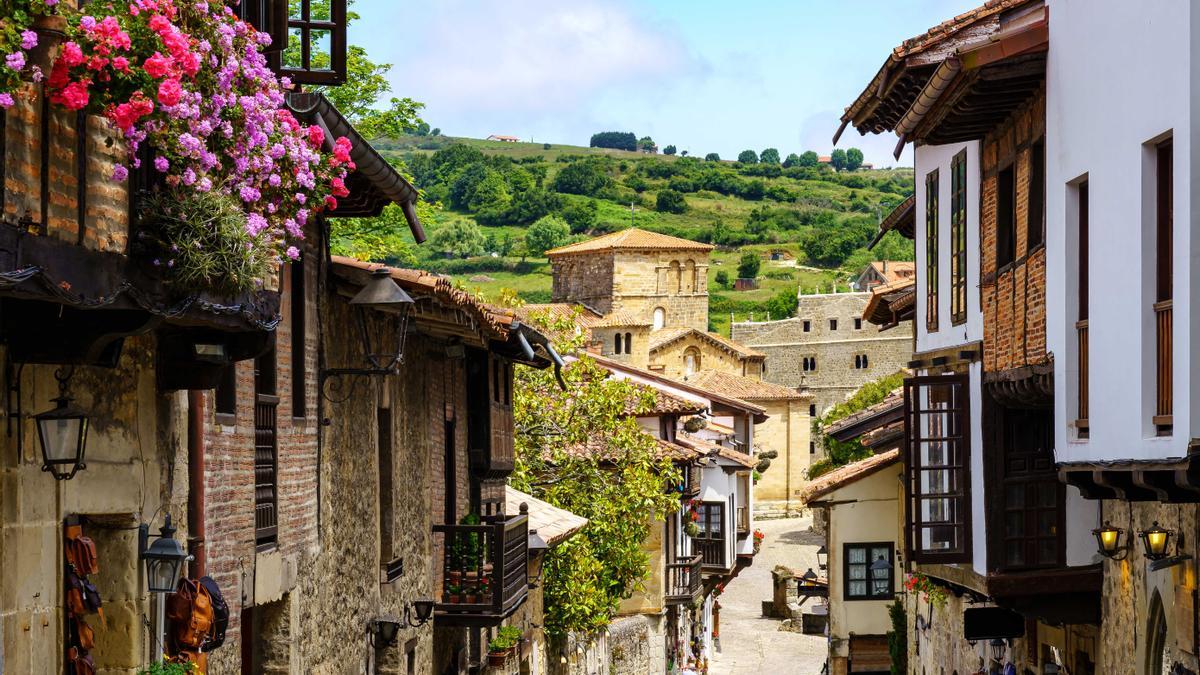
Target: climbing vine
(579, 450)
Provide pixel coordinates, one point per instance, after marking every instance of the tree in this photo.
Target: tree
(841, 453)
(646, 144)
(616, 140)
(748, 266)
(547, 233)
(582, 177)
(669, 150)
(769, 156)
(722, 279)
(546, 146)
(837, 159)
(683, 154)
(783, 304)
(712, 157)
(792, 160)
(435, 132)
(670, 201)
(581, 215)
(583, 452)
(854, 159)
(809, 158)
(748, 157)
(460, 238)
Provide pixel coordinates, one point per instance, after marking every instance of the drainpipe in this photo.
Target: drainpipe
(196, 501)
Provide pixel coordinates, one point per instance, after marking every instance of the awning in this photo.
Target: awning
(902, 219)
(375, 183)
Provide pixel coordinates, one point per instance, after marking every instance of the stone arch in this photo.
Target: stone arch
(691, 361)
(1156, 635)
(660, 318)
(689, 277)
(617, 343)
(675, 276)
(629, 343)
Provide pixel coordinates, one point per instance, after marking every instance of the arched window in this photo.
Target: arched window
(1156, 636)
(689, 277)
(676, 276)
(617, 343)
(628, 343)
(660, 317)
(691, 361)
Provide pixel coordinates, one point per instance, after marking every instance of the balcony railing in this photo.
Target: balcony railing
(485, 574)
(743, 520)
(683, 581)
(1163, 405)
(712, 552)
(1081, 422)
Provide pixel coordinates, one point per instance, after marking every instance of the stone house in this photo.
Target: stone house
(986, 513)
(681, 352)
(882, 272)
(827, 348)
(787, 431)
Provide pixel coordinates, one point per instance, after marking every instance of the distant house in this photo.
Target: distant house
(824, 159)
(505, 139)
(884, 272)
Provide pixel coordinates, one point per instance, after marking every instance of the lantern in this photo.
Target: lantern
(1155, 541)
(383, 632)
(881, 576)
(382, 294)
(62, 432)
(822, 558)
(163, 559)
(1108, 541)
(422, 608)
(537, 557)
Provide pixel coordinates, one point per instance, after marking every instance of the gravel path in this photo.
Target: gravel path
(751, 644)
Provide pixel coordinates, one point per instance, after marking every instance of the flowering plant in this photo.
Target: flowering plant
(759, 535)
(185, 82)
(18, 39)
(933, 593)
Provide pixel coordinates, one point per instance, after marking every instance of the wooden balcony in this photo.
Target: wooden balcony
(712, 552)
(485, 574)
(1081, 421)
(1163, 404)
(689, 487)
(683, 581)
(743, 521)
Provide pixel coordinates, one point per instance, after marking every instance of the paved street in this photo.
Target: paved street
(750, 644)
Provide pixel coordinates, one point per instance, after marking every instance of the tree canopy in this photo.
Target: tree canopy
(748, 157)
(669, 150)
(459, 237)
(712, 157)
(809, 158)
(748, 265)
(670, 201)
(769, 156)
(837, 159)
(547, 233)
(616, 140)
(854, 159)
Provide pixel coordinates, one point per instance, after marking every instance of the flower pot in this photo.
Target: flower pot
(455, 578)
(453, 599)
(51, 31)
(498, 659)
(471, 599)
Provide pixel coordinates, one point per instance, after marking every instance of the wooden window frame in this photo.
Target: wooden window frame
(958, 239)
(225, 396)
(957, 440)
(1006, 216)
(891, 574)
(1164, 232)
(1035, 218)
(931, 251)
(336, 25)
(1083, 405)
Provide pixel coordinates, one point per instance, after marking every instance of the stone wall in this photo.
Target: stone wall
(786, 344)
(635, 344)
(636, 644)
(676, 281)
(586, 279)
(669, 359)
(1013, 298)
(787, 431)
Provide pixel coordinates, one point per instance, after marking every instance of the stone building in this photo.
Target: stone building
(680, 352)
(883, 272)
(655, 277)
(827, 348)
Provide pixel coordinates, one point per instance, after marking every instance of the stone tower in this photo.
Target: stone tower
(660, 279)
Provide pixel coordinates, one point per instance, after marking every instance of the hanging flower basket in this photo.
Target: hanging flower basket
(691, 529)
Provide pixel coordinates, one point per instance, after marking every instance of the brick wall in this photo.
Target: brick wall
(1013, 298)
(105, 212)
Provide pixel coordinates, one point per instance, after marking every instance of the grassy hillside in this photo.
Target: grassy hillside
(503, 203)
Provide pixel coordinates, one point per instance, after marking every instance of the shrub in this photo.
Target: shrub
(546, 146)
(722, 279)
(669, 150)
(585, 177)
(547, 233)
(580, 215)
(748, 157)
(670, 201)
(712, 157)
(749, 265)
(616, 140)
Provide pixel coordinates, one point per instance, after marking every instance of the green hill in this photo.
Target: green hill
(505, 203)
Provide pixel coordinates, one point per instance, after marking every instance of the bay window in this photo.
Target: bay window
(937, 444)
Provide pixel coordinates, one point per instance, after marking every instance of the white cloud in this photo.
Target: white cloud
(536, 56)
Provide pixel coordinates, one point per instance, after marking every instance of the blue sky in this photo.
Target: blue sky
(707, 76)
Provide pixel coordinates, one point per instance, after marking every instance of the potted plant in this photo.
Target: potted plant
(485, 590)
(453, 592)
(759, 535)
(470, 594)
(501, 646)
(691, 529)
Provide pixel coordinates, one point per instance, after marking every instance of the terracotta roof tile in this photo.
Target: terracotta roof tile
(893, 401)
(745, 388)
(846, 475)
(666, 404)
(620, 318)
(716, 450)
(631, 239)
(553, 524)
(888, 302)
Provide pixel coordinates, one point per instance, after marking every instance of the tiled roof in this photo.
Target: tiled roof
(632, 239)
(741, 387)
(730, 401)
(666, 404)
(620, 318)
(902, 219)
(889, 405)
(895, 270)
(665, 336)
(553, 524)
(677, 452)
(716, 450)
(580, 314)
(891, 303)
(843, 476)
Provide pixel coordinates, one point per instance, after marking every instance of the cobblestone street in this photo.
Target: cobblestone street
(751, 644)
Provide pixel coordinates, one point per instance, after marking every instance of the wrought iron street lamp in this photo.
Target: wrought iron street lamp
(537, 557)
(62, 432)
(999, 647)
(823, 558)
(163, 559)
(381, 354)
(1155, 541)
(383, 631)
(422, 608)
(881, 576)
(1108, 541)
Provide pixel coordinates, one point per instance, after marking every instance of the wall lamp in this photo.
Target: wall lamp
(422, 608)
(1155, 540)
(62, 431)
(1108, 541)
(380, 355)
(822, 558)
(382, 632)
